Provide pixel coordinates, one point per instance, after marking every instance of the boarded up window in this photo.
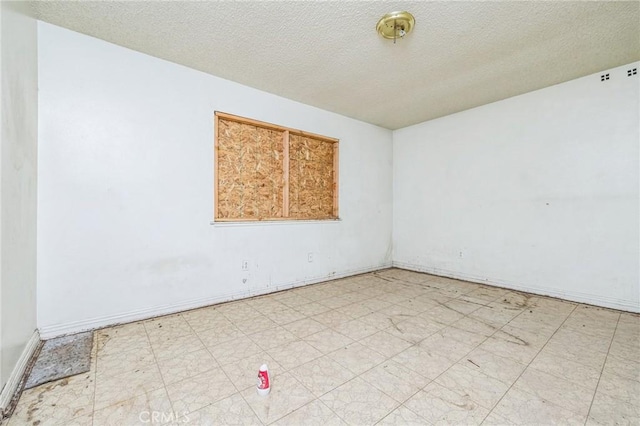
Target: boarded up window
(270, 172)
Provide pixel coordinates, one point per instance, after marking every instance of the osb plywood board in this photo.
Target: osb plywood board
(250, 171)
(311, 178)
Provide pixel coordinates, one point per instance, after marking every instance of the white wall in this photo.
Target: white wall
(18, 167)
(538, 192)
(126, 190)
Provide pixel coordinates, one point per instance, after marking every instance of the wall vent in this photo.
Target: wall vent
(604, 77)
(632, 71)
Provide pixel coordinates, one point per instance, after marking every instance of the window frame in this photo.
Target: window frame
(286, 133)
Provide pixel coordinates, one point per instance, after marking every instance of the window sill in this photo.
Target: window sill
(274, 222)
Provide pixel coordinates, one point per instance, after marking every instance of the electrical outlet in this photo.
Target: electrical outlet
(245, 265)
(310, 257)
(461, 256)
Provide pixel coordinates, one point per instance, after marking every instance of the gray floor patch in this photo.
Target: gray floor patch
(62, 357)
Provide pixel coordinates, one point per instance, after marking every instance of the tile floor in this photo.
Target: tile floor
(387, 348)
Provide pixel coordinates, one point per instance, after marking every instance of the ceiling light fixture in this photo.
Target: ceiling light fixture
(395, 25)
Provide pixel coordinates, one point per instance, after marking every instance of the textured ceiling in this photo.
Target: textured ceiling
(327, 54)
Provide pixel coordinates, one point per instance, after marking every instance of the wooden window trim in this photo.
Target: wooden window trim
(286, 133)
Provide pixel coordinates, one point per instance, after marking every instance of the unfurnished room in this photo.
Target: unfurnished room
(319, 213)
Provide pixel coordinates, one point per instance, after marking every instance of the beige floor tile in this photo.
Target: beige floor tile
(311, 292)
(286, 316)
(186, 365)
(199, 391)
(167, 327)
(441, 406)
(337, 302)
(304, 327)
(535, 320)
(417, 304)
(460, 335)
(495, 420)
(522, 339)
(628, 327)
(322, 375)
(113, 363)
(56, 402)
(358, 403)
(153, 407)
(222, 333)
(360, 295)
(483, 389)
(385, 343)
(244, 373)
(425, 363)
(283, 295)
(554, 306)
(399, 312)
(618, 387)
(494, 315)
(429, 350)
(607, 410)
(395, 380)
(114, 343)
(237, 311)
(295, 300)
(578, 353)
(536, 338)
(442, 314)
(446, 346)
(86, 420)
(286, 396)
(175, 346)
(377, 320)
(475, 326)
(627, 332)
(232, 410)
(124, 330)
(602, 314)
(273, 337)
(623, 367)
(234, 350)
(462, 306)
(415, 329)
(314, 413)
(517, 300)
(376, 304)
(556, 390)
(504, 369)
(265, 304)
(356, 329)
(111, 390)
(510, 348)
(255, 325)
(470, 299)
(566, 369)
(522, 408)
(402, 416)
(589, 327)
(567, 337)
(486, 293)
(357, 357)
(311, 309)
(204, 318)
(624, 348)
(294, 354)
(328, 340)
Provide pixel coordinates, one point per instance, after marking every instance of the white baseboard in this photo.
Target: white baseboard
(590, 299)
(18, 371)
(48, 332)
